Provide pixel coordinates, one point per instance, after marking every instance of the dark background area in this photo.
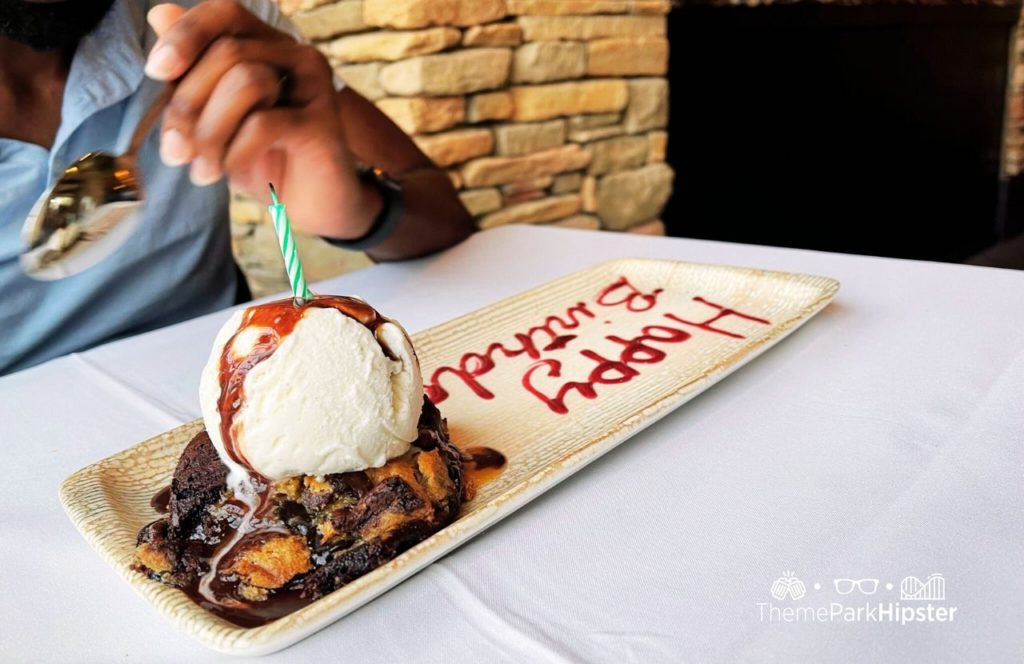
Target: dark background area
(866, 129)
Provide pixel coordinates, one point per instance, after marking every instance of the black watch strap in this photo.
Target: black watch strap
(390, 212)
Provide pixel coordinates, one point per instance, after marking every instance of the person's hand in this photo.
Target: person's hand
(256, 106)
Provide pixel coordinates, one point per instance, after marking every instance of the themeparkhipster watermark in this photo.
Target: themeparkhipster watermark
(846, 600)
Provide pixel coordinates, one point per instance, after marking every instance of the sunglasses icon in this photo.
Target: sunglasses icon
(846, 586)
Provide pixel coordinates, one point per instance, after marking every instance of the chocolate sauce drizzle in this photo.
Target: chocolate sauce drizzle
(254, 614)
(161, 500)
(484, 465)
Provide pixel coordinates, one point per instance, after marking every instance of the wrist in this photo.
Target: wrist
(388, 211)
(371, 203)
(358, 203)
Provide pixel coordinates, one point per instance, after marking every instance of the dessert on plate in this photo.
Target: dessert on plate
(321, 459)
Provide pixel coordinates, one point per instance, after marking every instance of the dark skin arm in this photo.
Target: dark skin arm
(432, 208)
(226, 121)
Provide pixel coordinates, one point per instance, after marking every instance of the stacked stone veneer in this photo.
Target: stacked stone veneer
(543, 111)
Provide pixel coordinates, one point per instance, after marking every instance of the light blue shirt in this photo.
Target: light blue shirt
(177, 265)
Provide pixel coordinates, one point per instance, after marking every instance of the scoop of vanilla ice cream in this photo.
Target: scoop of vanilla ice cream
(328, 400)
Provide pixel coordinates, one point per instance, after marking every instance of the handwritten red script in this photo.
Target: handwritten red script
(557, 332)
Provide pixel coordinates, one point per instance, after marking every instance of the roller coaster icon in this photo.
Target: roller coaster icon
(914, 589)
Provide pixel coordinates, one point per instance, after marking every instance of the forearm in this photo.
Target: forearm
(433, 217)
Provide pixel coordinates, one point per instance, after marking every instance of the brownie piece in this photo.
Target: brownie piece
(199, 480)
(314, 535)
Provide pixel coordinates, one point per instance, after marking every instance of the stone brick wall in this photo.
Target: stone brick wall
(542, 111)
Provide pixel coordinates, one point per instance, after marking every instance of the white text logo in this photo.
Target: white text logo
(848, 599)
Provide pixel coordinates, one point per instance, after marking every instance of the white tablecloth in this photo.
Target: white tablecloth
(883, 440)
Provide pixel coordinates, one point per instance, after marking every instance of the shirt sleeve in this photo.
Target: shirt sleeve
(270, 13)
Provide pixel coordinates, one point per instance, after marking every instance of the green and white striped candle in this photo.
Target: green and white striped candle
(283, 228)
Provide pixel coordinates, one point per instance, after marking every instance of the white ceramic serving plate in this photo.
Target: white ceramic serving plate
(511, 408)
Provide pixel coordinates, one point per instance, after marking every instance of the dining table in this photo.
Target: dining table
(854, 494)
